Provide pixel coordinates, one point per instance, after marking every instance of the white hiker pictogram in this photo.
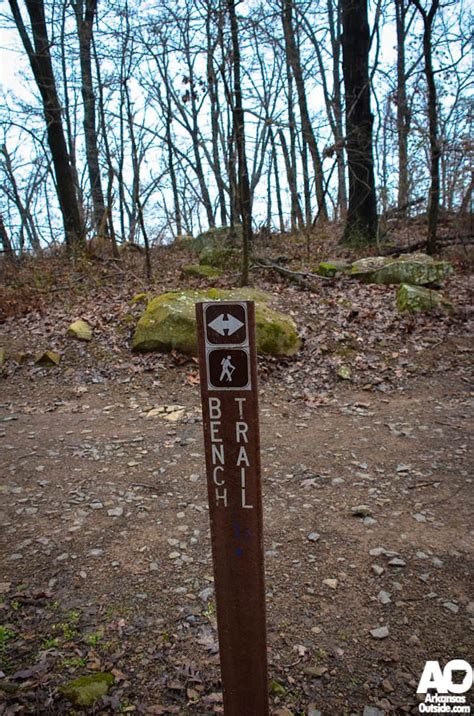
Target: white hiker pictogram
(227, 369)
(226, 326)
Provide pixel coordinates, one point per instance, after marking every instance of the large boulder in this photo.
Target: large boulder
(413, 269)
(219, 247)
(201, 271)
(417, 298)
(169, 322)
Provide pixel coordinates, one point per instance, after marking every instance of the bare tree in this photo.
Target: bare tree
(361, 221)
(38, 51)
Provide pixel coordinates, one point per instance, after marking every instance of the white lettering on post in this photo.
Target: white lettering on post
(241, 430)
(242, 457)
(222, 496)
(215, 425)
(217, 454)
(215, 408)
(240, 402)
(214, 475)
(243, 489)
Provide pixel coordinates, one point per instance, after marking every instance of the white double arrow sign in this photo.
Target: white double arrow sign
(225, 326)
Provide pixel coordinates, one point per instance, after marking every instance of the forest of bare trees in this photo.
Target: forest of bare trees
(139, 122)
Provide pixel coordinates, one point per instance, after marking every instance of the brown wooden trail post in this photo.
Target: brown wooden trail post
(228, 368)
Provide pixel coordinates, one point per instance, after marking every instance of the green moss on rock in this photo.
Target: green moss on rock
(2, 356)
(169, 322)
(332, 267)
(415, 270)
(85, 690)
(80, 330)
(47, 359)
(201, 271)
(417, 298)
(219, 257)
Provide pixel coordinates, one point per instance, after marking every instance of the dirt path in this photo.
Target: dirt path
(106, 553)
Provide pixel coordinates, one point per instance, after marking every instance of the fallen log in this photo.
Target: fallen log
(298, 277)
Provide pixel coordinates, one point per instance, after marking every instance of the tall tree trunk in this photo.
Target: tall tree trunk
(213, 89)
(277, 182)
(85, 13)
(296, 213)
(108, 154)
(435, 151)
(361, 220)
(403, 112)
(41, 65)
(294, 59)
(6, 243)
(27, 222)
(239, 133)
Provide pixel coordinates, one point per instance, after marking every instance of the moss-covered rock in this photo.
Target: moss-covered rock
(415, 270)
(222, 235)
(220, 257)
(169, 322)
(417, 298)
(80, 330)
(47, 359)
(142, 297)
(218, 247)
(85, 690)
(201, 271)
(331, 267)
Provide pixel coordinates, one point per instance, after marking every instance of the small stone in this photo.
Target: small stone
(437, 562)
(377, 551)
(369, 521)
(194, 477)
(206, 594)
(384, 597)
(344, 372)
(419, 517)
(421, 555)
(470, 608)
(380, 632)
(361, 511)
(47, 359)
(451, 606)
(313, 536)
(174, 555)
(96, 505)
(313, 711)
(397, 562)
(85, 690)
(80, 330)
(372, 711)
(16, 557)
(96, 552)
(376, 569)
(115, 512)
(331, 583)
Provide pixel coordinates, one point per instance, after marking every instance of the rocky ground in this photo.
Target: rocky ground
(367, 495)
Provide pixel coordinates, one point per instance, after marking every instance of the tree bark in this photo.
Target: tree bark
(85, 13)
(361, 220)
(294, 59)
(41, 65)
(403, 112)
(239, 133)
(435, 152)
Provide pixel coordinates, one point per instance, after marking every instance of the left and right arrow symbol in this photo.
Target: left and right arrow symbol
(225, 326)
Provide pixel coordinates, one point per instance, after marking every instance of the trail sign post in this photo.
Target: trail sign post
(228, 368)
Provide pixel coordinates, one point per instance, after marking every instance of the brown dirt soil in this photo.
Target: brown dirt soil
(98, 498)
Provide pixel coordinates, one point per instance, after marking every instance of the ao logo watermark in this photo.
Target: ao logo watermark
(441, 680)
